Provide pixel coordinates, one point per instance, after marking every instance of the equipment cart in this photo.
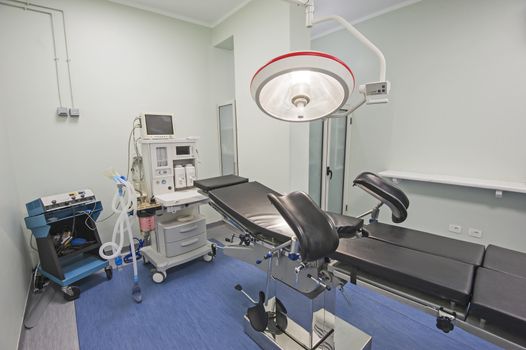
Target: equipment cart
(180, 234)
(67, 239)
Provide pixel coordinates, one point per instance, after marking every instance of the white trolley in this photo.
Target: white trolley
(180, 234)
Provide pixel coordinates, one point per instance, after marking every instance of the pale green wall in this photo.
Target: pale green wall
(15, 267)
(262, 30)
(124, 61)
(457, 108)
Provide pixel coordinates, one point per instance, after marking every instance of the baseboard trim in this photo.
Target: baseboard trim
(214, 224)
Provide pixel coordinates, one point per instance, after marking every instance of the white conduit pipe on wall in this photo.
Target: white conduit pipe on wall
(55, 57)
(25, 5)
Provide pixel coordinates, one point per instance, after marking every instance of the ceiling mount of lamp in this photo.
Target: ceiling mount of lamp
(309, 85)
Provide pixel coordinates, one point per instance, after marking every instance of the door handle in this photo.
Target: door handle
(329, 172)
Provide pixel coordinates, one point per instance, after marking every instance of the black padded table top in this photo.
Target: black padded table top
(219, 182)
(499, 298)
(437, 276)
(467, 252)
(249, 205)
(505, 260)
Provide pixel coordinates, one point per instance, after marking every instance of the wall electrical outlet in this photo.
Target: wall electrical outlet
(62, 111)
(455, 228)
(475, 232)
(74, 112)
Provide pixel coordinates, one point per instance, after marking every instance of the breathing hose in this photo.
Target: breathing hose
(124, 204)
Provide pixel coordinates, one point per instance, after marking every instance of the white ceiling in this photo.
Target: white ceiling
(354, 11)
(204, 12)
(212, 12)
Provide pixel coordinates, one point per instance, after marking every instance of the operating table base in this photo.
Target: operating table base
(344, 337)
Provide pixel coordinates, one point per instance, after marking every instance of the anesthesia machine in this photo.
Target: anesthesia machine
(168, 168)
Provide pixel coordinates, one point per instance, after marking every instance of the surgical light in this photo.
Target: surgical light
(302, 86)
(309, 85)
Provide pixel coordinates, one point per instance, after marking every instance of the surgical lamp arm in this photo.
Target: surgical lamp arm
(351, 109)
(310, 21)
(351, 29)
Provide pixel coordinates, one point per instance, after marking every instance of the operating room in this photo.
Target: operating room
(262, 174)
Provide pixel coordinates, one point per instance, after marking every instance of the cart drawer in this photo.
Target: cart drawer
(185, 245)
(177, 231)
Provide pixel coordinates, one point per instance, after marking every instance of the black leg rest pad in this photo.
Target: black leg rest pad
(467, 252)
(218, 182)
(440, 277)
(346, 226)
(506, 260)
(499, 298)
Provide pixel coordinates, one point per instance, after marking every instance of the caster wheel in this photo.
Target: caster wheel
(39, 282)
(159, 277)
(71, 293)
(109, 273)
(214, 250)
(444, 324)
(208, 258)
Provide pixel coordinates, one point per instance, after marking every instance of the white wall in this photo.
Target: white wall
(222, 87)
(467, 119)
(262, 31)
(124, 61)
(15, 269)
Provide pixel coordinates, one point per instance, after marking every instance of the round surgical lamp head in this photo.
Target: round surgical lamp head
(302, 86)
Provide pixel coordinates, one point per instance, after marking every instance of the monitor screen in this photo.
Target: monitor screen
(159, 124)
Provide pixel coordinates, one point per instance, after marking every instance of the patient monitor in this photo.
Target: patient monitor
(157, 126)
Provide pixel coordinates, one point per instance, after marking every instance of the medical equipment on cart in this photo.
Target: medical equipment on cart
(169, 165)
(170, 168)
(65, 229)
(124, 204)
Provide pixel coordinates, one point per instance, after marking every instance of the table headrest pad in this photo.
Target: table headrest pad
(386, 192)
(315, 231)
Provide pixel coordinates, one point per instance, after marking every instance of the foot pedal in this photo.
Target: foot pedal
(257, 315)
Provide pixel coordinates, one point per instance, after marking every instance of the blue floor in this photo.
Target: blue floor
(198, 308)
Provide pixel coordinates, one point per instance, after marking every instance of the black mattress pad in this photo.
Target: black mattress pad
(213, 183)
(505, 260)
(440, 277)
(499, 298)
(467, 252)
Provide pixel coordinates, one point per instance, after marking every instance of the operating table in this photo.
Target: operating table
(315, 253)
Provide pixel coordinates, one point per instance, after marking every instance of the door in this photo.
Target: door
(228, 138)
(327, 159)
(335, 167)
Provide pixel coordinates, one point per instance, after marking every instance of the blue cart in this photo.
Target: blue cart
(67, 238)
